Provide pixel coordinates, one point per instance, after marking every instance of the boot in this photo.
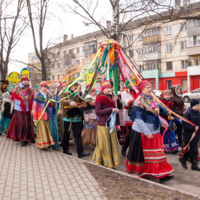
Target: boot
(23, 144)
(183, 162)
(166, 178)
(194, 162)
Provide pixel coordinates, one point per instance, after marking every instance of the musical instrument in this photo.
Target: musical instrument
(79, 105)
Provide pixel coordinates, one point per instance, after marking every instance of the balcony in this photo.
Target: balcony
(193, 50)
(151, 39)
(193, 31)
(151, 56)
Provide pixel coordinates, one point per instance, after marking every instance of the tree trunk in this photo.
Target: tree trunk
(4, 70)
(44, 73)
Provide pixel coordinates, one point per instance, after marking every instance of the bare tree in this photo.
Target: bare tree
(12, 26)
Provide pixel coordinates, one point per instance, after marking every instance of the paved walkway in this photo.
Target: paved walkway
(30, 173)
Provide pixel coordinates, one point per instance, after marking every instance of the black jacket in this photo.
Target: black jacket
(194, 117)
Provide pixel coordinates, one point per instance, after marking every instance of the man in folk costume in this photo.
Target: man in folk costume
(127, 97)
(7, 107)
(63, 86)
(23, 98)
(72, 118)
(44, 137)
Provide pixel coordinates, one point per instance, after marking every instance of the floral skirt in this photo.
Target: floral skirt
(106, 152)
(146, 157)
(44, 137)
(89, 136)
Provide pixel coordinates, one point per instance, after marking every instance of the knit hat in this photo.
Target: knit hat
(63, 84)
(193, 102)
(165, 92)
(105, 84)
(142, 85)
(125, 89)
(73, 84)
(87, 86)
(92, 90)
(24, 78)
(53, 85)
(43, 84)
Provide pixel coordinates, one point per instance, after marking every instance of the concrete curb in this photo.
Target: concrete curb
(129, 175)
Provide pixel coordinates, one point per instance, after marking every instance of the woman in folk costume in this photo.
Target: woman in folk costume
(23, 98)
(169, 140)
(128, 97)
(3, 88)
(146, 155)
(106, 152)
(7, 107)
(53, 115)
(44, 137)
(89, 133)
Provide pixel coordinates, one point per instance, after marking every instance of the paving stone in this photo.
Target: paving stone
(29, 174)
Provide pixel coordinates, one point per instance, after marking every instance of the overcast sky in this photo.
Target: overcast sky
(55, 27)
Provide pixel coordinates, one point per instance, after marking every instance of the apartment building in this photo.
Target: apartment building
(165, 53)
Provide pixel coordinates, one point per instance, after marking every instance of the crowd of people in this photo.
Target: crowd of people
(55, 114)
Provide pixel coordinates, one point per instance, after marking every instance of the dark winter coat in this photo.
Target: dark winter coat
(103, 109)
(193, 116)
(7, 113)
(177, 101)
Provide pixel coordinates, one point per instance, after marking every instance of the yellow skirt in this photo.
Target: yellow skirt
(106, 152)
(44, 137)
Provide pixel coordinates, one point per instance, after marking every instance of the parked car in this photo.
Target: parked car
(195, 94)
(157, 92)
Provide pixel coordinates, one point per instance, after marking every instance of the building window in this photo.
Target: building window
(53, 67)
(131, 38)
(53, 77)
(64, 53)
(193, 23)
(169, 48)
(59, 65)
(169, 66)
(58, 77)
(152, 48)
(131, 53)
(151, 65)
(71, 51)
(58, 54)
(184, 84)
(152, 31)
(140, 68)
(184, 45)
(140, 36)
(184, 27)
(184, 64)
(197, 62)
(77, 50)
(78, 74)
(194, 40)
(168, 30)
(169, 84)
(151, 82)
(140, 52)
(77, 62)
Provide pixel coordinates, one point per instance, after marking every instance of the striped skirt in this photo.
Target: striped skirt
(106, 152)
(146, 157)
(44, 137)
